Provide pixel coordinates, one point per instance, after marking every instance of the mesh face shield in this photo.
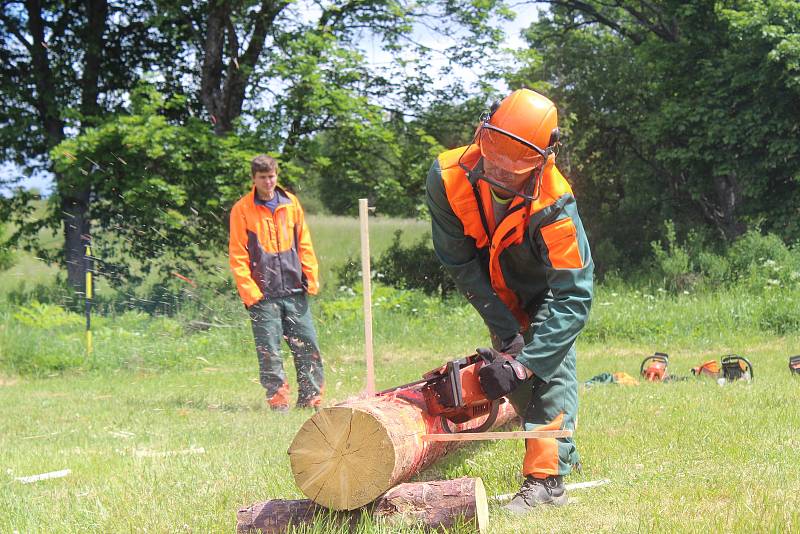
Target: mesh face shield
(508, 151)
(510, 138)
(513, 154)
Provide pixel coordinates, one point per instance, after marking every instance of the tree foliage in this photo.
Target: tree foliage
(284, 73)
(675, 111)
(160, 189)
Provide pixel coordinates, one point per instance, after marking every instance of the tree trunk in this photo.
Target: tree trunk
(75, 200)
(74, 210)
(436, 504)
(73, 205)
(223, 97)
(433, 505)
(211, 71)
(728, 193)
(96, 13)
(347, 455)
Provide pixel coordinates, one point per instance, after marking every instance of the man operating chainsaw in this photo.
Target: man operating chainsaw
(505, 225)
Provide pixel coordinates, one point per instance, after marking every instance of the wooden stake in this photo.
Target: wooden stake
(363, 215)
(481, 436)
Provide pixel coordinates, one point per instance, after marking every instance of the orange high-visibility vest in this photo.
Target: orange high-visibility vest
(473, 206)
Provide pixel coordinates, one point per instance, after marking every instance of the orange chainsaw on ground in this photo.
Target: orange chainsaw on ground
(656, 367)
(454, 393)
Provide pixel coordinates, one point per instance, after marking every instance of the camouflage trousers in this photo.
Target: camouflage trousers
(287, 318)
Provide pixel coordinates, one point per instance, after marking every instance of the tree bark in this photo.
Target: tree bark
(45, 98)
(223, 97)
(347, 455)
(433, 505)
(211, 71)
(75, 199)
(96, 13)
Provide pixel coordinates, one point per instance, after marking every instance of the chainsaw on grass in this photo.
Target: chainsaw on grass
(656, 367)
(454, 393)
(735, 367)
(794, 364)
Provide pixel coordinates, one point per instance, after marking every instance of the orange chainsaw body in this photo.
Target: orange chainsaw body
(454, 392)
(656, 367)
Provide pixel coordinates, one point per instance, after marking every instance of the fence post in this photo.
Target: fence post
(88, 267)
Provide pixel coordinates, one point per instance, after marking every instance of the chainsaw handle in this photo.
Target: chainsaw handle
(794, 364)
(736, 358)
(488, 355)
(658, 356)
(486, 425)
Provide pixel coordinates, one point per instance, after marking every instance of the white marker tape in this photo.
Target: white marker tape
(44, 476)
(570, 487)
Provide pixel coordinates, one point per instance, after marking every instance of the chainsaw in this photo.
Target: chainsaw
(735, 367)
(454, 393)
(656, 370)
(794, 364)
(709, 368)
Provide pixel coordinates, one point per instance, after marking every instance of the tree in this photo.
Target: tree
(282, 70)
(64, 65)
(675, 111)
(387, 159)
(160, 187)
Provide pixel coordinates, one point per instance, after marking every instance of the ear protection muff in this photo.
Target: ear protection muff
(495, 106)
(555, 137)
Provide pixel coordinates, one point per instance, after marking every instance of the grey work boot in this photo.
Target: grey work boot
(536, 491)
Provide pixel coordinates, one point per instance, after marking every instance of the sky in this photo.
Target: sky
(525, 16)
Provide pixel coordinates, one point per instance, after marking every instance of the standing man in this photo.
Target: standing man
(274, 265)
(506, 227)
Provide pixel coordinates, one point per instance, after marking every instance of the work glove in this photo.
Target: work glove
(500, 377)
(513, 347)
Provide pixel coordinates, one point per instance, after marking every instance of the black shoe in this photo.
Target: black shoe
(536, 491)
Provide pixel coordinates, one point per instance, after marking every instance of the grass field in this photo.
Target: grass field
(164, 427)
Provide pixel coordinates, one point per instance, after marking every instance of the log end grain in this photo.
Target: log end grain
(342, 458)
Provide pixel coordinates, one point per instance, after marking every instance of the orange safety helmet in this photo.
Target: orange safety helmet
(520, 131)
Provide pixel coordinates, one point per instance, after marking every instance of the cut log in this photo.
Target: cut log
(345, 456)
(278, 515)
(436, 504)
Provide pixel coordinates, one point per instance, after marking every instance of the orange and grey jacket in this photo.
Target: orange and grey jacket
(534, 267)
(270, 253)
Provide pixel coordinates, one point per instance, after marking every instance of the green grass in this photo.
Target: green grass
(338, 238)
(688, 456)
(683, 456)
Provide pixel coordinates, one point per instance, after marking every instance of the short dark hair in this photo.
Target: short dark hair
(263, 163)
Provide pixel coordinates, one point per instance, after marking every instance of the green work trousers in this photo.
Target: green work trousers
(287, 318)
(548, 406)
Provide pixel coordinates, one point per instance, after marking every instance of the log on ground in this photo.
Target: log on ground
(345, 456)
(435, 505)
